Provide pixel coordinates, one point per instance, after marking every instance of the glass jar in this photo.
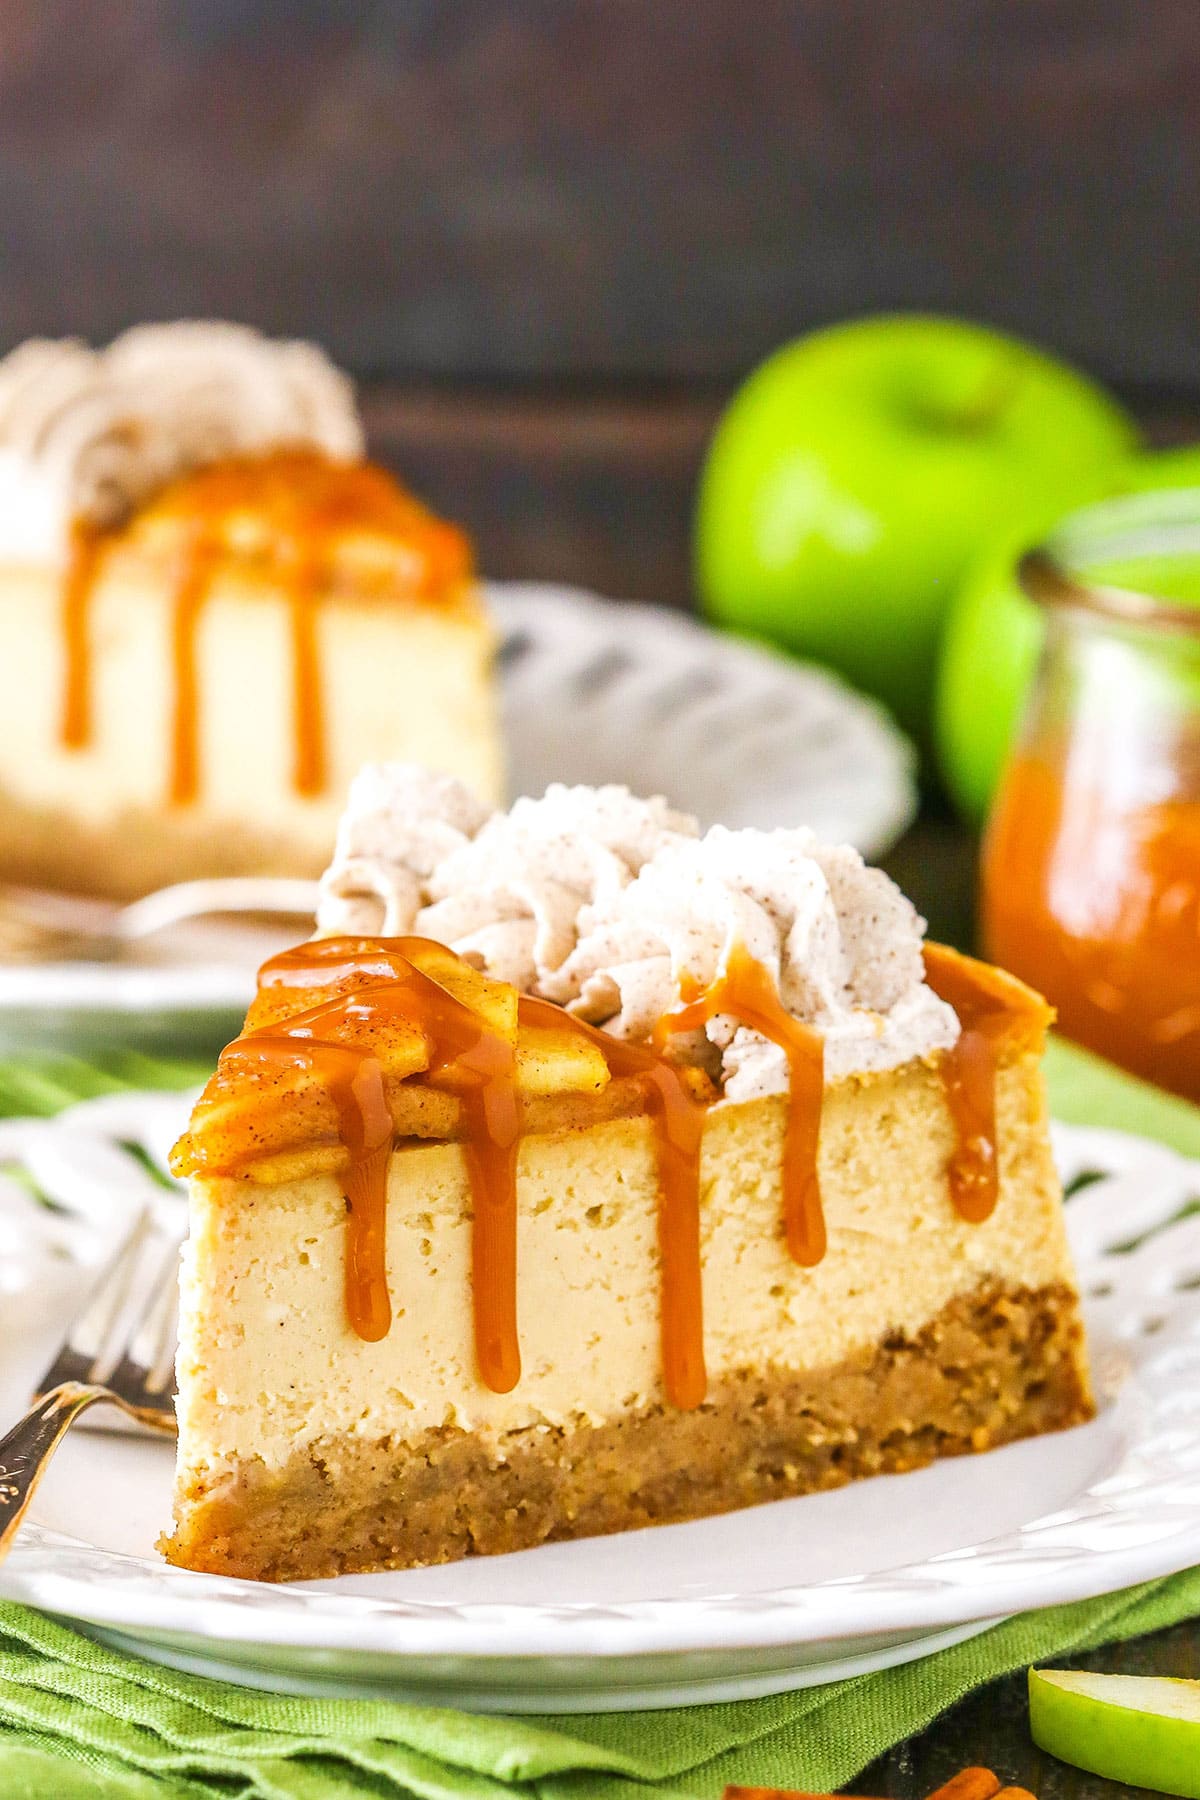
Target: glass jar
(1091, 867)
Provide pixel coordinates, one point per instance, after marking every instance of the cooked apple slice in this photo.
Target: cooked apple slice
(1143, 1729)
(558, 1062)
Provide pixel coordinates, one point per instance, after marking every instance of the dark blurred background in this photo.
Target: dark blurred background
(550, 235)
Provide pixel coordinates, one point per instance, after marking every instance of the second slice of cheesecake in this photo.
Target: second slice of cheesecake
(213, 609)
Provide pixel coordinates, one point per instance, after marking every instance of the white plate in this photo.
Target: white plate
(593, 691)
(794, 1593)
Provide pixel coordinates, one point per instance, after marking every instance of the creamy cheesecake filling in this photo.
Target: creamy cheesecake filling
(668, 959)
(308, 528)
(992, 1365)
(270, 1364)
(420, 992)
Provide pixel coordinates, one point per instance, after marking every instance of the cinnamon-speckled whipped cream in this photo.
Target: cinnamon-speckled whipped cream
(607, 903)
(91, 434)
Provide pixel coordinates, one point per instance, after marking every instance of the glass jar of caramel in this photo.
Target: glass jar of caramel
(1091, 867)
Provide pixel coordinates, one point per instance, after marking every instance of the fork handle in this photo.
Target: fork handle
(26, 1450)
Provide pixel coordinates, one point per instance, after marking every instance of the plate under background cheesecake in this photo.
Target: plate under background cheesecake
(588, 1174)
(213, 610)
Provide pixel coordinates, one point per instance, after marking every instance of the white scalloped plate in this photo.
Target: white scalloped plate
(791, 1594)
(593, 691)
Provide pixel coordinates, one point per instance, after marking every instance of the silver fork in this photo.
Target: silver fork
(49, 927)
(120, 1349)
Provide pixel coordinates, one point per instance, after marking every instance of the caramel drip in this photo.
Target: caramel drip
(468, 1059)
(285, 516)
(191, 591)
(353, 1079)
(479, 1066)
(678, 1119)
(80, 578)
(309, 771)
(384, 982)
(968, 1070)
(745, 989)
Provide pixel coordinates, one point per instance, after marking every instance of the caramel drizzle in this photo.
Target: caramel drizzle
(745, 988)
(353, 1079)
(678, 1120)
(309, 770)
(309, 505)
(468, 1059)
(478, 1066)
(82, 567)
(191, 592)
(968, 1070)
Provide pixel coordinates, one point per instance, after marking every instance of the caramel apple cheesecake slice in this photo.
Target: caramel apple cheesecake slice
(213, 610)
(590, 1173)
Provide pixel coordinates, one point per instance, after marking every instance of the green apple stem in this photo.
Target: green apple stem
(977, 411)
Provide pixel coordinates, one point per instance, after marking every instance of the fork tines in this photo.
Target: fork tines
(125, 1337)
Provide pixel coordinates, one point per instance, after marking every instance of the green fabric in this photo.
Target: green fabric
(77, 1719)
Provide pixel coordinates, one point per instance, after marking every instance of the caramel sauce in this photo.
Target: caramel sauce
(82, 564)
(309, 769)
(1093, 895)
(190, 595)
(678, 1120)
(377, 983)
(283, 518)
(968, 1071)
(353, 1079)
(479, 1067)
(745, 989)
(468, 1059)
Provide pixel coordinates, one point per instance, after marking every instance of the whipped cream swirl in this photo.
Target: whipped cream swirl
(401, 823)
(607, 904)
(91, 434)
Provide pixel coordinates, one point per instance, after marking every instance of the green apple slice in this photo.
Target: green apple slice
(1143, 1729)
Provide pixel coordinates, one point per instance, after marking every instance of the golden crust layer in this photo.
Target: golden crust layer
(992, 1367)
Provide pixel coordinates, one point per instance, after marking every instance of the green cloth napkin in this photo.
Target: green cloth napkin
(79, 1720)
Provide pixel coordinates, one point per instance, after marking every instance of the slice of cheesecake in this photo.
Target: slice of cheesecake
(625, 1177)
(213, 610)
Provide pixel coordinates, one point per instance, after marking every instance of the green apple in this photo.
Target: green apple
(1142, 1729)
(993, 634)
(857, 473)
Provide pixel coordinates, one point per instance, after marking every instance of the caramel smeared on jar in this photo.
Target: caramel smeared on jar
(968, 1070)
(282, 519)
(746, 989)
(467, 1059)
